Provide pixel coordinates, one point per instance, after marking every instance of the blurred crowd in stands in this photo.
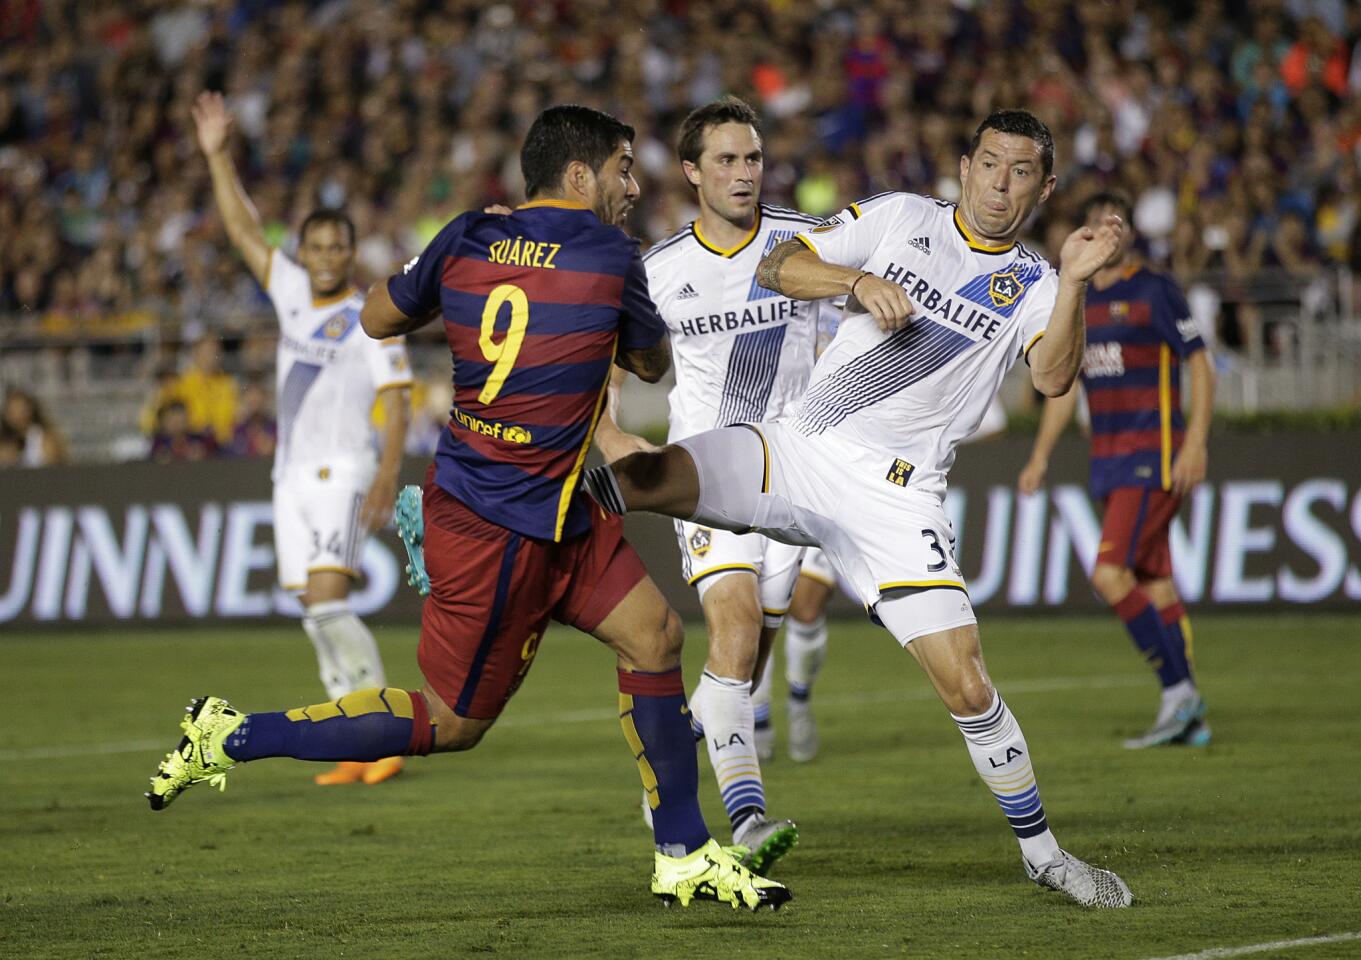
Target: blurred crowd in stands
(1234, 124)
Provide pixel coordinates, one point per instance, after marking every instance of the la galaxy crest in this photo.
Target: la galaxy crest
(701, 540)
(336, 327)
(1005, 288)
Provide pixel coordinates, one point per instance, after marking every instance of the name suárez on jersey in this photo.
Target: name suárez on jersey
(948, 307)
(310, 349)
(519, 252)
(773, 311)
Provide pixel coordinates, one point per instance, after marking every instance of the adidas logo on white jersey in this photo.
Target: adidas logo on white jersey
(687, 292)
(921, 243)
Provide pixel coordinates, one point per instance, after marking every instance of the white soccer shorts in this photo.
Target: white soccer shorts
(316, 525)
(709, 554)
(855, 502)
(817, 566)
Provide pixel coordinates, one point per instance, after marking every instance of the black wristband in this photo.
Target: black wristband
(863, 275)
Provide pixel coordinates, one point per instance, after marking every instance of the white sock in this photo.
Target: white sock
(346, 651)
(724, 708)
(1002, 759)
(805, 648)
(760, 696)
(1172, 697)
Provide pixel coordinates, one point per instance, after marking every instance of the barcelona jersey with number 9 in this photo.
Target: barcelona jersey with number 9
(535, 306)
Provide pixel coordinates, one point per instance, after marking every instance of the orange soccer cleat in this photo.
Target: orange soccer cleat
(381, 770)
(347, 771)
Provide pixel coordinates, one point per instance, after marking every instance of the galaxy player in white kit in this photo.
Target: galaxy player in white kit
(741, 353)
(330, 491)
(942, 301)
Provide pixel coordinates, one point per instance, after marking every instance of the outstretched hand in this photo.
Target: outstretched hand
(212, 120)
(1088, 248)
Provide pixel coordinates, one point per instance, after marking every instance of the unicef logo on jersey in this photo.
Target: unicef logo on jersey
(516, 435)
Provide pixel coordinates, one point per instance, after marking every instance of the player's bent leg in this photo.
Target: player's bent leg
(363, 726)
(664, 482)
(952, 659)
(716, 478)
(451, 732)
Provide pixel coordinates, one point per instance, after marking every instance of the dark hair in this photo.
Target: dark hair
(729, 109)
(1109, 198)
(565, 133)
(326, 215)
(1022, 123)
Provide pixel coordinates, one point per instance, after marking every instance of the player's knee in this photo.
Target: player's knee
(454, 733)
(973, 697)
(673, 636)
(1112, 582)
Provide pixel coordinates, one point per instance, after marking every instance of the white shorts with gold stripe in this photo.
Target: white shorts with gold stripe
(881, 536)
(317, 527)
(709, 554)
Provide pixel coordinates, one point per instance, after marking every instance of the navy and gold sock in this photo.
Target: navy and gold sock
(1177, 626)
(365, 725)
(1145, 628)
(656, 724)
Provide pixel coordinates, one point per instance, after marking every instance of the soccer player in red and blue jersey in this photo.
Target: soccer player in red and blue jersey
(537, 305)
(1145, 457)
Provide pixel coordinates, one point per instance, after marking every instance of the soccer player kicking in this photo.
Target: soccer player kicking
(330, 492)
(1145, 459)
(536, 307)
(943, 301)
(742, 352)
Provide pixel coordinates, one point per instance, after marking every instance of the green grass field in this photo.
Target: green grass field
(532, 846)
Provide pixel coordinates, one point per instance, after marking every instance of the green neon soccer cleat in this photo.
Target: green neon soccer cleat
(199, 756)
(411, 529)
(712, 873)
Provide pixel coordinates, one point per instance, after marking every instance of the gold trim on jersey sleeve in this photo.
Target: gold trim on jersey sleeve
(1025, 354)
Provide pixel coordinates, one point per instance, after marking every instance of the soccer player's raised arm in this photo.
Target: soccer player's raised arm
(1057, 356)
(213, 124)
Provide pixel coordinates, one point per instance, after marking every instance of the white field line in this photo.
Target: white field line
(1216, 953)
(596, 715)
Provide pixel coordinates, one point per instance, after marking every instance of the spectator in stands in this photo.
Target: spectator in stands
(41, 442)
(11, 448)
(256, 430)
(209, 394)
(1197, 110)
(174, 440)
